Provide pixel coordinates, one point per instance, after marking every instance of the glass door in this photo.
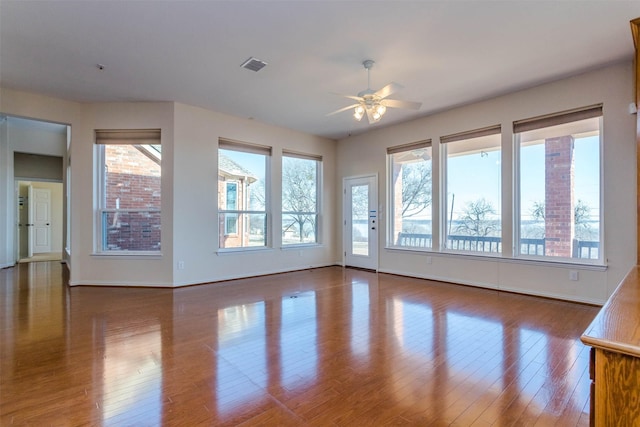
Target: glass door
(361, 222)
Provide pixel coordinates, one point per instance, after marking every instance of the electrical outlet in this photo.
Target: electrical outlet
(428, 260)
(573, 275)
(180, 265)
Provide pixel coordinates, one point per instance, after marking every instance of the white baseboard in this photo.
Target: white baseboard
(253, 274)
(120, 284)
(571, 298)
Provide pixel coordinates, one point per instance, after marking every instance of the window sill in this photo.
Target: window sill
(560, 263)
(298, 246)
(244, 250)
(128, 255)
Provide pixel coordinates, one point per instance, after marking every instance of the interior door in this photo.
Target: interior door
(361, 222)
(40, 201)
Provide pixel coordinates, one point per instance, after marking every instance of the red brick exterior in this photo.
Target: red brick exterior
(559, 196)
(132, 181)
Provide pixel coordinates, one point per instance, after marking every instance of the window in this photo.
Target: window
(242, 194)
(300, 180)
(559, 185)
(129, 193)
(473, 191)
(410, 195)
(231, 224)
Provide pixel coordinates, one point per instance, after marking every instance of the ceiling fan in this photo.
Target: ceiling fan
(374, 103)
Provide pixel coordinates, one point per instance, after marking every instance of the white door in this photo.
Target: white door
(40, 220)
(361, 222)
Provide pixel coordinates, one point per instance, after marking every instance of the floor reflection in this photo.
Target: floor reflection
(132, 375)
(299, 340)
(328, 346)
(241, 350)
(360, 320)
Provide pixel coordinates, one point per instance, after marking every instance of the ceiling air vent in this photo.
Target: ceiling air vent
(253, 64)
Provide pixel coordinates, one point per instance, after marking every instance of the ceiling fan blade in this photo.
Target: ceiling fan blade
(388, 90)
(355, 98)
(342, 109)
(395, 103)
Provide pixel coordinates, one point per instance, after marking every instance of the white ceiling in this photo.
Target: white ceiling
(445, 53)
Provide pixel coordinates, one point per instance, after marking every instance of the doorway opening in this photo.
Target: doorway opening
(40, 220)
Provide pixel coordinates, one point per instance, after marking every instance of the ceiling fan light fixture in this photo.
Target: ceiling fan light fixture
(372, 103)
(358, 112)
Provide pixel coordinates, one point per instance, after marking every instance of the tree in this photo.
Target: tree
(299, 195)
(476, 221)
(581, 215)
(416, 188)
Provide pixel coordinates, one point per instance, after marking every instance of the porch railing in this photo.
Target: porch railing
(581, 248)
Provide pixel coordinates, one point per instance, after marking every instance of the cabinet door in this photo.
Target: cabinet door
(617, 389)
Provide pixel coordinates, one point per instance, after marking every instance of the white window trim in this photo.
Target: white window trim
(232, 145)
(100, 193)
(317, 213)
(601, 261)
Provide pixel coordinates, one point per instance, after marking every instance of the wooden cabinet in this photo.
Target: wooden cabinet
(614, 336)
(635, 31)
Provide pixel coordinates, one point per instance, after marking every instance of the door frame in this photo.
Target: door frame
(17, 245)
(346, 215)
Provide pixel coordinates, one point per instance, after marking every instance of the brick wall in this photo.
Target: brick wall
(559, 196)
(132, 182)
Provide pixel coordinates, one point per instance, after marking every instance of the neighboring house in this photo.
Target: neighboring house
(132, 178)
(233, 195)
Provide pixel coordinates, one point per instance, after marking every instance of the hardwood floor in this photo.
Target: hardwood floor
(323, 347)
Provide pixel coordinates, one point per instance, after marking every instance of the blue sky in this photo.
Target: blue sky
(475, 176)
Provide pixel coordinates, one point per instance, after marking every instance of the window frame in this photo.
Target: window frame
(245, 147)
(129, 137)
(539, 123)
(444, 200)
(391, 151)
(227, 185)
(318, 199)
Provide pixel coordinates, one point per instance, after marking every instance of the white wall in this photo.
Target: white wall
(612, 86)
(189, 138)
(107, 269)
(189, 183)
(195, 227)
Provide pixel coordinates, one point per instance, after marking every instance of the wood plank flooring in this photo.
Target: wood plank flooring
(323, 347)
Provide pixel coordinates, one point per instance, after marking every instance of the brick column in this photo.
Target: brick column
(559, 204)
(397, 200)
